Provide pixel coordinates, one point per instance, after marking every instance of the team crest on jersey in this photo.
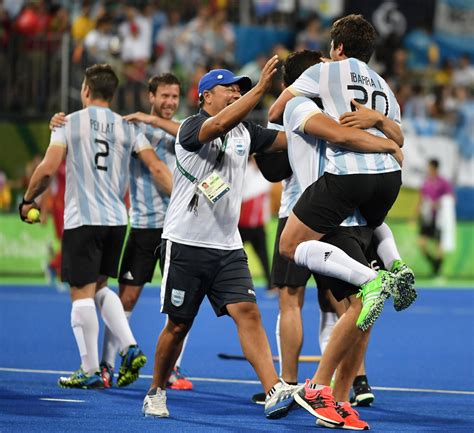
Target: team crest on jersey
(177, 297)
(239, 146)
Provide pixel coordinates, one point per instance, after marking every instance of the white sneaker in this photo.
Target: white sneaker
(280, 399)
(155, 404)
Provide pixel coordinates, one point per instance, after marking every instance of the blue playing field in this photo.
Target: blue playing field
(420, 363)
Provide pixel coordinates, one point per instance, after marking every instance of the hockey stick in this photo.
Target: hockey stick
(302, 358)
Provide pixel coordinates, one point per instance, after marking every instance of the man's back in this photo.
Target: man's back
(337, 83)
(99, 145)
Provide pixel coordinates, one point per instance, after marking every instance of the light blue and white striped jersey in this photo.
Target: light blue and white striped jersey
(290, 189)
(99, 145)
(306, 153)
(148, 204)
(337, 83)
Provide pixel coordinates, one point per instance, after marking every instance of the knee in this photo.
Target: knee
(245, 312)
(129, 299)
(178, 327)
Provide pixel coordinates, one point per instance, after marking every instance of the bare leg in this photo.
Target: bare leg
(254, 341)
(291, 331)
(344, 336)
(168, 349)
(347, 369)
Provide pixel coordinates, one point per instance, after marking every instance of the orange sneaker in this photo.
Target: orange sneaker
(178, 381)
(319, 403)
(350, 417)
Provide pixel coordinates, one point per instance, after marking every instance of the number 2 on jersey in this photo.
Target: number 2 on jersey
(365, 98)
(101, 154)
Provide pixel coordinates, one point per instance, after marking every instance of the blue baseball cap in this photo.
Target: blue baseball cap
(223, 77)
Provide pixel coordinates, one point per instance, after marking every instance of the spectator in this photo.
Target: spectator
(464, 74)
(428, 210)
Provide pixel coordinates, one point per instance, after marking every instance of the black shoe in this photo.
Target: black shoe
(362, 392)
(259, 398)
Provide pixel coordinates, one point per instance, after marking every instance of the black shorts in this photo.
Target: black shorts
(190, 273)
(325, 204)
(142, 251)
(360, 244)
(286, 273)
(430, 230)
(91, 251)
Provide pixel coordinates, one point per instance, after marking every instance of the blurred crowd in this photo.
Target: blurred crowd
(142, 38)
(188, 37)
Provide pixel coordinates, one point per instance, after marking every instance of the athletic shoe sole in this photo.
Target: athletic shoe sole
(375, 310)
(406, 293)
(259, 398)
(363, 400)
(302, 402)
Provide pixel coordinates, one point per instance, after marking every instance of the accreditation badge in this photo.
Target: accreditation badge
(213, 187)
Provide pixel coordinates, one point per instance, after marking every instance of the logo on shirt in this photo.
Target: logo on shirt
(127, 276)
(177, 297)
(239, 146)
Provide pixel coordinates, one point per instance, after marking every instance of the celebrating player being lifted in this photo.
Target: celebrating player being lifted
(368, 182)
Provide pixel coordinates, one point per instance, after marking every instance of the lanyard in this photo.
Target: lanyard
(219, 159)
(193, 203)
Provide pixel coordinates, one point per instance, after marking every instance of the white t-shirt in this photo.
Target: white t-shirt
(211, 225)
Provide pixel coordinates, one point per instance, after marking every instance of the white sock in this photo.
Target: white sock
(114, 317)
(326, 324)
(277, 335)
(85, 326)
(387, 248)
(330, 260)
(111, 345)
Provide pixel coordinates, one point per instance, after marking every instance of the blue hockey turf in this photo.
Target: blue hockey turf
(420, 362)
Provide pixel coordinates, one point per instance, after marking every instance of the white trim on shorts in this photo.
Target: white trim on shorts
(166, 267)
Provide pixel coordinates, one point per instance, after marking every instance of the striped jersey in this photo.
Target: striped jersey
(149, 204)
(290, 191)
(337, 83)
(99, 144)
(306, 153)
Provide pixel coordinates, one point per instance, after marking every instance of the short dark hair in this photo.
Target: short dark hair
(434, 163)
(357, 36)
(158, 80)
(297, 62)
(102, 81)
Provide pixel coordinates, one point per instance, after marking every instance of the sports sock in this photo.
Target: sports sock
(330, 260)
(85, 327)
(114, 317)
(387, 248)
(277, 335)
(327, 320)
(180, 357)
(111, 345)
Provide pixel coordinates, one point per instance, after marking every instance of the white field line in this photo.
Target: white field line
(65, 400)
(241, 381)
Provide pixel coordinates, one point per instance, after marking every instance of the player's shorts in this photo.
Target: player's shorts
(91, 251)
(360, 244)
(142, 251)
(191, 273)
(286, 273)
(325, 204)
(430, 230)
